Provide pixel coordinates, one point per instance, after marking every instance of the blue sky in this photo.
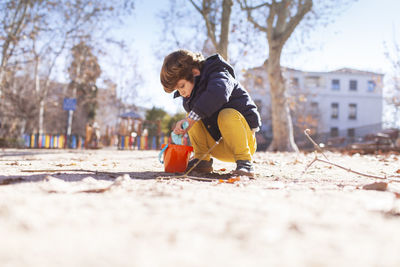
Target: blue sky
(355, 39)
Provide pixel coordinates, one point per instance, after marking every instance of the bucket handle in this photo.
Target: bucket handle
(161, 153)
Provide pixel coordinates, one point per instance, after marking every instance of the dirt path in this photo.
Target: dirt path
(114, 212)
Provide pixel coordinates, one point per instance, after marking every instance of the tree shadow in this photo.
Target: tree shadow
(79, 175)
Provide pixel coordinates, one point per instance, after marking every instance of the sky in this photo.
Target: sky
(356, 39)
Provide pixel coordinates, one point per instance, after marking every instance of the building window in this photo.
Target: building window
(353, 85)
(335, 84)
(314, 107)
(352, 111)
(351, 132)
(313, 81)
(371, 86)
(295, 82)
(335, 110)
(334, 132)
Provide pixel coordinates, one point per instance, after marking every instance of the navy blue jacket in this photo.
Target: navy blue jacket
(216, 88)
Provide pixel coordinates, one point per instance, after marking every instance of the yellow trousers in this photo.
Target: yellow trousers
(238, 140)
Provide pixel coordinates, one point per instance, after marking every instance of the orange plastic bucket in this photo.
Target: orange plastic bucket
(176, 157)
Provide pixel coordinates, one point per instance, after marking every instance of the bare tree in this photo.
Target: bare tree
(216, 16)
(282, 18)
(15, 17)
(81, 19)
(207, 25)
(17, 108)
(392, 54)
(279, 20)
(45, 30)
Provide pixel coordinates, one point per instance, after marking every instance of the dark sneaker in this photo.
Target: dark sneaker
(203, 167)
(244, 167)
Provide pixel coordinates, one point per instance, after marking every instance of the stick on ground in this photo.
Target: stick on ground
(318, 148)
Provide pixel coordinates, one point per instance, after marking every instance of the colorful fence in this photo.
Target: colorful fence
(53, 141)
(145, 142)
(124, 142)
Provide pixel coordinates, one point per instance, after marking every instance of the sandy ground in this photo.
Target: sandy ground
(107, 208)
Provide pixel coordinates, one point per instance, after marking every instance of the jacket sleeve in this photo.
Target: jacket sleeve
(219, 89)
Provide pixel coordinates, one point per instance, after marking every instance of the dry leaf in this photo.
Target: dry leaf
(379, 186)
(296, 161)
(398, 171)
(233, 180)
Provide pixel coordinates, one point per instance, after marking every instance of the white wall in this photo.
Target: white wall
(369, 103)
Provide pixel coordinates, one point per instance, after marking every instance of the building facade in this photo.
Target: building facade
(341, 103)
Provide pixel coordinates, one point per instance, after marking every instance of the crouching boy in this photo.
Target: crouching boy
(217, 105)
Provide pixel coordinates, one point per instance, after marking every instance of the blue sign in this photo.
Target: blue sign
(69, 104)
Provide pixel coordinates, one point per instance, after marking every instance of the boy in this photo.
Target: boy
(217, 105)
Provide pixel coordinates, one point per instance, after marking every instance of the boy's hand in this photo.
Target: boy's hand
(179, 129)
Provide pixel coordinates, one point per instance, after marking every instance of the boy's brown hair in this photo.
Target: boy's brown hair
(179, 65)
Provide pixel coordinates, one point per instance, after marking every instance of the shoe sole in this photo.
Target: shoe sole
(243, 173)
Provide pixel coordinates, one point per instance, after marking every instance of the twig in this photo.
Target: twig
(316, 146)
(306, 132)
(200, 159)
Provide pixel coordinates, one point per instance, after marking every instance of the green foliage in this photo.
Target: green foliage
(167, 121)
(154, 118)
(155, 114)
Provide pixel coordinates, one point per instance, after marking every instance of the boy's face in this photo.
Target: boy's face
(184, 87)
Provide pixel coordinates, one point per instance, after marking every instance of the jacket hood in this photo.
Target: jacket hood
(212, 64)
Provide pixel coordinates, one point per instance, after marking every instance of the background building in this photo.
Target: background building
(344, 103)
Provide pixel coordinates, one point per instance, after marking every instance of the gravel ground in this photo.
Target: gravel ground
(109, 208)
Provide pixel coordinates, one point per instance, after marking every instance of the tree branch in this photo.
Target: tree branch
(306, 132)
(250, 17)
(205, 11)
(196, 6)
(302, 10)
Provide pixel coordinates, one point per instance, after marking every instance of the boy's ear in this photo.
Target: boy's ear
(196, 72)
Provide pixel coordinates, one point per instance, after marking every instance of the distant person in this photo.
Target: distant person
(96, 135)
(217, 105)
(88, 136)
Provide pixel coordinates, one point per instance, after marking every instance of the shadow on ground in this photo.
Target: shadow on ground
(31, 152)
(78, 175)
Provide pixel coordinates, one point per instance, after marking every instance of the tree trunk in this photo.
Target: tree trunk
(39, 94)
(222, 48)
(281, 120)
(41, 116)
